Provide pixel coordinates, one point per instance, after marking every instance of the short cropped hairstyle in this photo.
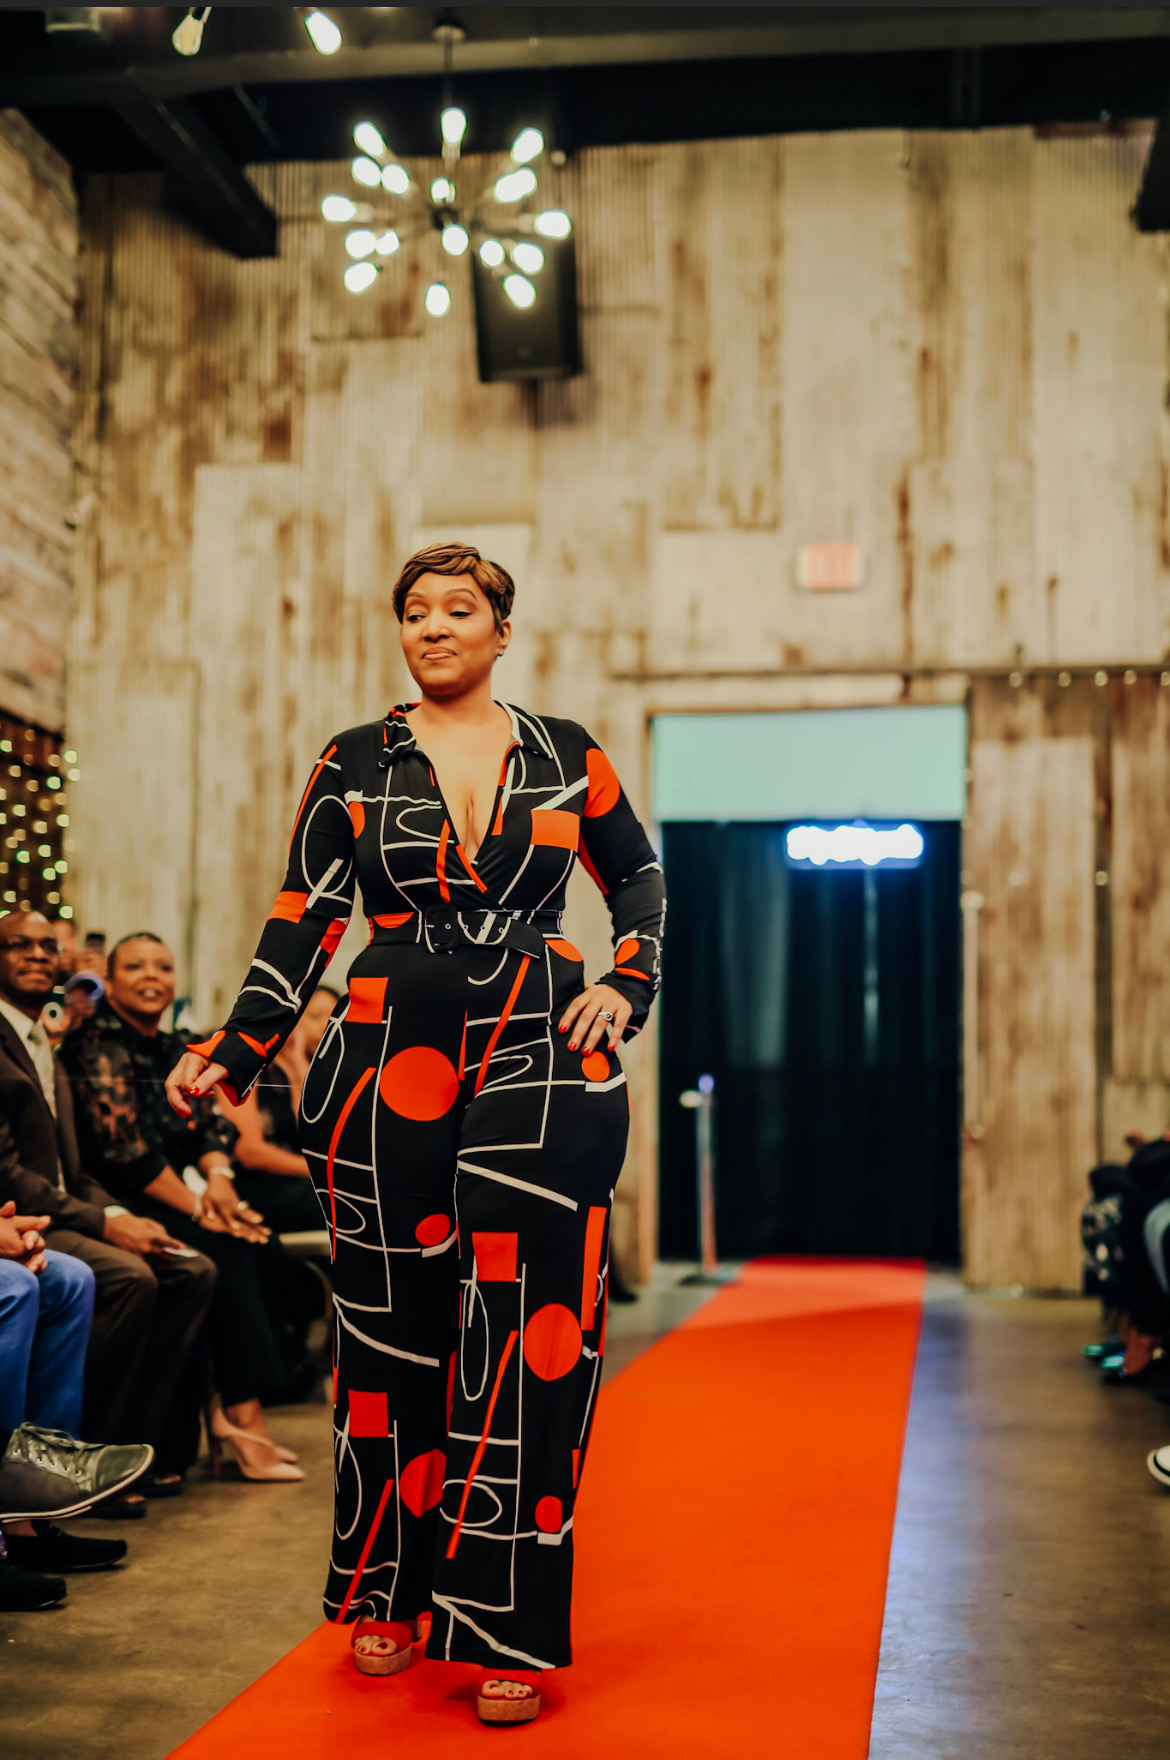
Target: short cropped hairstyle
(138, 935)
(494, 582)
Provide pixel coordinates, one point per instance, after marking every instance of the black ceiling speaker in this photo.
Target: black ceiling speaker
(539, 341)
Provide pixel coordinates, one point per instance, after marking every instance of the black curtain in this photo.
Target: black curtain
(826, 1006)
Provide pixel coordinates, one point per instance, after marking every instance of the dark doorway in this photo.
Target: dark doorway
(826, 1005)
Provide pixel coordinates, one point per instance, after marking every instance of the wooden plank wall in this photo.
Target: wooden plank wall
(950, 349)
(38, 361)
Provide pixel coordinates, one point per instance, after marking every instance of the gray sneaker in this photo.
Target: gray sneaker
(47, 1473)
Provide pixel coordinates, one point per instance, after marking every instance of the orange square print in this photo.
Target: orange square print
(555, 828)
(367, 1001)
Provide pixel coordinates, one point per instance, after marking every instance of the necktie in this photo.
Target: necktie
(42, 1055)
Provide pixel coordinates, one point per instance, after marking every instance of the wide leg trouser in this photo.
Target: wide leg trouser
(465, 1160)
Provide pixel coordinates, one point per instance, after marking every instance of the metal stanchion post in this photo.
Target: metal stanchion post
(701, 1101)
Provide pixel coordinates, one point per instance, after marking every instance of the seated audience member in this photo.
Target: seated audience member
(271, 1172)
(46, 1307)
(118, 1062)
(150, 1305)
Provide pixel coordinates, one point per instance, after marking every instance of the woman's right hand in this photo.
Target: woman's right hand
(193, 1074)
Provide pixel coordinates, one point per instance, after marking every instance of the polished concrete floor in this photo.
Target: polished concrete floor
(1026, 1615)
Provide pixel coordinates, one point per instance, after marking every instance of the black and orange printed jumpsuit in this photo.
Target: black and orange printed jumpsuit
(465, 1160)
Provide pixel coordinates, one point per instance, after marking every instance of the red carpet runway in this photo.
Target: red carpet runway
(733, 1536)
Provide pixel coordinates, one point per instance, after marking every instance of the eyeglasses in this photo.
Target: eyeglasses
(26, 943)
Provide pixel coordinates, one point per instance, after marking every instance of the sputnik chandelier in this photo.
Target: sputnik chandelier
(508, 244)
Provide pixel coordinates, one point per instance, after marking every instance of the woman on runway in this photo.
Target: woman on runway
(465, 1120)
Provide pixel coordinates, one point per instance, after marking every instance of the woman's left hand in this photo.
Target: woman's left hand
(584, 1014)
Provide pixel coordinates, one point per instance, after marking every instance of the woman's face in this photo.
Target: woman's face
(449, 635)
(142, 981)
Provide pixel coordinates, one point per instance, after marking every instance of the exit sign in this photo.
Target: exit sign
(829, 567)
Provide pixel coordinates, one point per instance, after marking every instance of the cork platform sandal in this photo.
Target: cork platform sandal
(385, 1645)
(511, 1697)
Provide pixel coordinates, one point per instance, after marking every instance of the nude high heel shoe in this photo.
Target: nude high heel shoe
(386, 1645)
(511, 1695)
(255, 1456)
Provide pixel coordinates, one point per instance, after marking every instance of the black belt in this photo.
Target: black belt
(441, 928)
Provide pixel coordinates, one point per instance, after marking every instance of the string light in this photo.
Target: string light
(32, 824)
(438, 299)
(337, 209)
(528, 257)
(491, 253)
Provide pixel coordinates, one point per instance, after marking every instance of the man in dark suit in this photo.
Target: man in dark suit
(152, 1293)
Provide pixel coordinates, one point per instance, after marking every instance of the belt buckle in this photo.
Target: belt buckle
(443, 930)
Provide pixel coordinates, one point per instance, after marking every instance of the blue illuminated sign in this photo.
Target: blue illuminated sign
(858, 845)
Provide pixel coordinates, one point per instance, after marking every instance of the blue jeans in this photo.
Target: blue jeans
(44, 1329)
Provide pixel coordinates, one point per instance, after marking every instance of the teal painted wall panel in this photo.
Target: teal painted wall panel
(890, 763)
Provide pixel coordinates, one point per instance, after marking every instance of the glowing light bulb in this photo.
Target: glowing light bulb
(442, 191)
(361, 243)
(519, 290)
(338, 208)
(359, 276)
(368, 136)
(395, 178)
(453, 123)
(454, 240)
(529, 144)
(367, 172)
(553, 223)
(491, 253)
(513, 186)
(528, 257)
(438, 299)
(188, 36)
(323, 30)
(388, 243)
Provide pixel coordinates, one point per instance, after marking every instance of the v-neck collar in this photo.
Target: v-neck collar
(399, 741)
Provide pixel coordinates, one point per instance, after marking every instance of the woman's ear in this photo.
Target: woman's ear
(505, 637)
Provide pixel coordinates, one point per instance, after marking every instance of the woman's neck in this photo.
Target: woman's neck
(473, 709)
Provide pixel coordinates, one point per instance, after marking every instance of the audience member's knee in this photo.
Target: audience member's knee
(71, 1277)
(141, 1284)
(20, 1292)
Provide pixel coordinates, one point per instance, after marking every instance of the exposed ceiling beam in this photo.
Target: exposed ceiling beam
(208, 182)
(243, 47)
(1152, 209)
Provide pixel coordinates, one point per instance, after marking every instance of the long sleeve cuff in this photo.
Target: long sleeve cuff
(635, 989)
(244, 1058)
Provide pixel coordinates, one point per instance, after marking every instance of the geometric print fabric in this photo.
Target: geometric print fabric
(465, 1161)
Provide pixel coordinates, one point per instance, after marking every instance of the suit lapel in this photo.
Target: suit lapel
(15, 1047)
